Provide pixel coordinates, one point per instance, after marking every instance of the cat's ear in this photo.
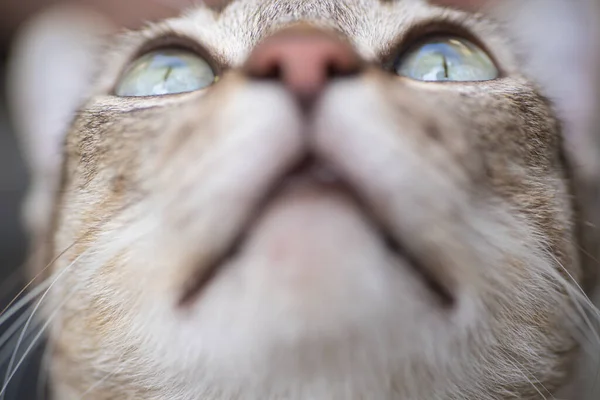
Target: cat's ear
(50, 66)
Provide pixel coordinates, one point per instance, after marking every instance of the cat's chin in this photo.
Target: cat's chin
(303, 229)
(291, 316)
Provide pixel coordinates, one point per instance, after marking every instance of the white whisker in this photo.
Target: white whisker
(11, 281)
(14, 328)
(585, 307)
(519, 367)
(576, 292)
(35, 341)
(101, 381)
(37, 306)
(23, 302)
(8, 350)
(44, 371)
(39, 274)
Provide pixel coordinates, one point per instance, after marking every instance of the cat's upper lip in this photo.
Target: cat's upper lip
(320, 173)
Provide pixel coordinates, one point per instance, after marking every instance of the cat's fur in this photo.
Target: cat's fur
(477, 180)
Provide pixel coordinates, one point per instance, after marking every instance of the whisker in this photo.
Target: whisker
(17, 389)
(580, 294)
(35, 341)
(13, 329)
(7, 351)
(101, 381)
(581, 319)
(9, 283)
(519, 367)
(51, 263)
(37, 306)
(586, 332)
(44, 372)
(580, 299)
(23, 301)
(588, 254)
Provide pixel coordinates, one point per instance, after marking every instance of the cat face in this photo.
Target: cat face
(401, 232)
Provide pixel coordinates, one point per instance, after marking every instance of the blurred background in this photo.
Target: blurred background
(13, 176)
(13, 181)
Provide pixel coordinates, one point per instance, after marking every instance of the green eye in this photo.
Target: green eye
(447, 59)
(167, 71)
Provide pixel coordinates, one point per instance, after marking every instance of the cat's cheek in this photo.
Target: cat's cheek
(427, 194)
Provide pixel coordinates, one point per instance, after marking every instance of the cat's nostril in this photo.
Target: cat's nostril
(303, 59)
(271, 70)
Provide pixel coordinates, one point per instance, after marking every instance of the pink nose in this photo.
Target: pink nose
(304, 59)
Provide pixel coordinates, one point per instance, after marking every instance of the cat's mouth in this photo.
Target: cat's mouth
(310, 169)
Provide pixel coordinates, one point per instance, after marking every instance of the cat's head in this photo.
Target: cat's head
(349, 199)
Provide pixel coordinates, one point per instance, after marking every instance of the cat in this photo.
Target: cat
(302, 199)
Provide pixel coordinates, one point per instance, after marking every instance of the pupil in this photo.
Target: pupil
(445, 65)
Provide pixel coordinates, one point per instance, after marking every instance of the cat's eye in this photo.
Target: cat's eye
(166, 71)
(449, 59)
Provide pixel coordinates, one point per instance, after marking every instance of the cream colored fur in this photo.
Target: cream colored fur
(313, 306)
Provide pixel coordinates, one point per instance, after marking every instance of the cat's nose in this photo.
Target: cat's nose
(304, 59)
